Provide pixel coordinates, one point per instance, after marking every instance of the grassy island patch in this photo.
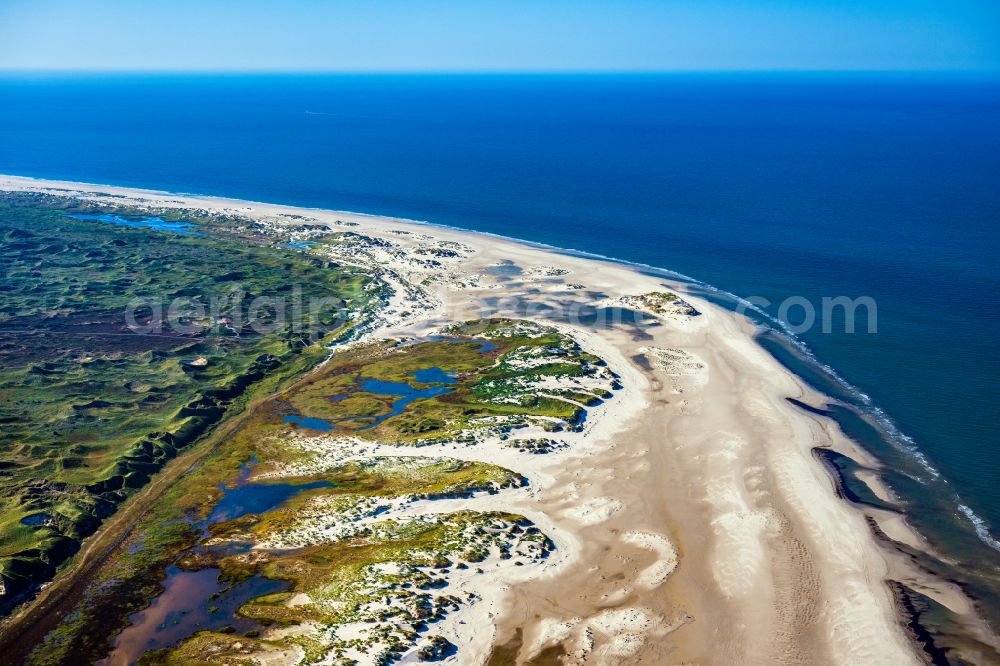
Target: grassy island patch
(503, 374)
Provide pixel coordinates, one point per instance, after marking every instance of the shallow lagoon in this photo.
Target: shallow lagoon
(195, 601)
(298, 245)
(184, 608)
(157, 223)
(436, 377)
(256, 498)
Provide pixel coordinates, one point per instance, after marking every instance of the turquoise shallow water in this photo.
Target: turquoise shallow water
(809, 186)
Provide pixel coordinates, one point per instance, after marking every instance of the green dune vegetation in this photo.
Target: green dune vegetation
(89, 409)
(362, 571)
(388, 582)
(98, 395)
(524, 374)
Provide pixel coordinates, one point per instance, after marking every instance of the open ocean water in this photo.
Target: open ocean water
(770, 186)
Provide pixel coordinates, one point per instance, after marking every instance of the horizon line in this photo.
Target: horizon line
(494, 72)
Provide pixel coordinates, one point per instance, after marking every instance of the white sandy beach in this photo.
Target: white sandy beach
(693, 523)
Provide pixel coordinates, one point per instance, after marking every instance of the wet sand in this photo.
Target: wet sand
(692, 520)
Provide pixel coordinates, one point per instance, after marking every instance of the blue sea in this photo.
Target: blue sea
(755, 185)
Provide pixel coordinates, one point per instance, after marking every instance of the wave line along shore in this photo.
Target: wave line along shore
(692, 520)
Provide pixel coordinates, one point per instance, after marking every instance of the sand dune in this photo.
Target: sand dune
(692, 522)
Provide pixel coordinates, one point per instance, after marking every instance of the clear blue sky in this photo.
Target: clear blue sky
(512, 35)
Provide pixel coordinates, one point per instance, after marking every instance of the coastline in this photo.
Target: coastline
(716, 534)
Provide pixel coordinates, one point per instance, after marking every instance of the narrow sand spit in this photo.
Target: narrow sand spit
(692, 522)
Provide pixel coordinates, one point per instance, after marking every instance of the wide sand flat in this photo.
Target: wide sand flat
(692, 522)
